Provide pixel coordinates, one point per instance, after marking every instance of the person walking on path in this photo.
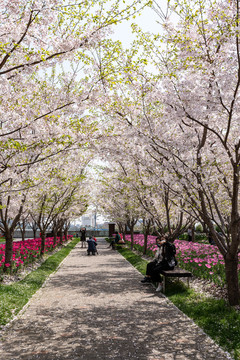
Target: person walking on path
(164, 260)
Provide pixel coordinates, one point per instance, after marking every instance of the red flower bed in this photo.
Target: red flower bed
(25, 252)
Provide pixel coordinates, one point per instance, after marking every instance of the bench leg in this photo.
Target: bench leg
(178, 279)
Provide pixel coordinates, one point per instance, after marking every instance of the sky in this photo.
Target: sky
(147, 20)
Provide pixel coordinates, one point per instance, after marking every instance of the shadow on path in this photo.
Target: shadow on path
(94, 307)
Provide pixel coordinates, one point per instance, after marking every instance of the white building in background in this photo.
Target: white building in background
(86, 220)
(89, 220)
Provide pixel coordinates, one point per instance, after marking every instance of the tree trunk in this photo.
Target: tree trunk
(8, 251)
(43, 237)
(55, 229)
(55, 235)
(23, 230)
(8, 231)
(193, 233)
(145, 243)
(231, 258)
(131, 224)
(146, 231)
(34, 228)
(66, 226)
(132, 235)
(231, 268)
(66, 233)
(123, 231)
(61, 236)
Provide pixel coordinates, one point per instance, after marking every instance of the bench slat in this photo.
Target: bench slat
(176, 273)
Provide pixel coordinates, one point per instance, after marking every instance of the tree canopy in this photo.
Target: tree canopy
(162, 115)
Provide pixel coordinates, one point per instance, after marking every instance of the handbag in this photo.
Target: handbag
(172, 262)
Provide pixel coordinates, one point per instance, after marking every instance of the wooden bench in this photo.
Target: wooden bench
(118, 244)
(177, 272)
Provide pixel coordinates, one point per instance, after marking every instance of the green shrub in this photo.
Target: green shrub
(199, 228)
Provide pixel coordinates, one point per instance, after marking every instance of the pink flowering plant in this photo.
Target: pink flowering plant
(203, 260)
(26, 252)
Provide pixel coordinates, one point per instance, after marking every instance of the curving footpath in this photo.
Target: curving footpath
(94, 307)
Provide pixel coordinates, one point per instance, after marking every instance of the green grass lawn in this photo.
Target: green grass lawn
(215, 317)
(13, 297)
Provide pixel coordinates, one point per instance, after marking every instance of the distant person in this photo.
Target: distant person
(83, 236)
(95, 239)
(189, 232)
(121, 241)
(91, 246)
(117, 237)
(164, 260)
(115, 240)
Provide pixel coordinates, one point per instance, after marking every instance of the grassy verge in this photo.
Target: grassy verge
(215, 317)
(13, 297)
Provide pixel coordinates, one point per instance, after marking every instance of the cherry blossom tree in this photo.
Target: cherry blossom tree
(58, 196)
(205, 49)
(39, 96)
(115, 198)
(8, 223)
(133, 114)
(186, 117)
(42, 110)
(198, 99)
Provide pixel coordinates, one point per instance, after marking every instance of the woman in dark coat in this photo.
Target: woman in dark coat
(164, 260)
(83, 236)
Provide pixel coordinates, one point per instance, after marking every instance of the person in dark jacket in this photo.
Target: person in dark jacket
(189, 234)
(114, 241)
(91, 246)
(164, 260)
(83, 236)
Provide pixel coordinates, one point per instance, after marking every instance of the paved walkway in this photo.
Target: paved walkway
(94, 307)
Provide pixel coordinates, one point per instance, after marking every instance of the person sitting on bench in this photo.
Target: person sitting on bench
(115, 240)
(164, 260)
